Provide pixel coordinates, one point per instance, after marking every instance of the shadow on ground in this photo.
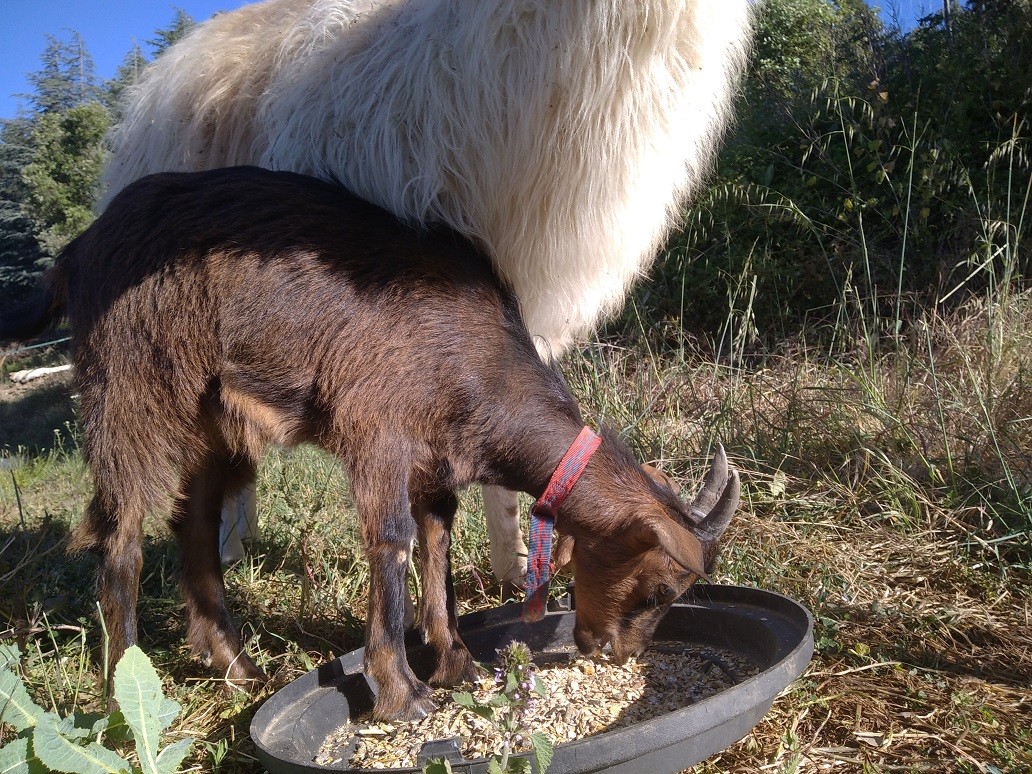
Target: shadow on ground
(38, 417)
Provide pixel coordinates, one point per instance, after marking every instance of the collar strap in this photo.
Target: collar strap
(542, 519)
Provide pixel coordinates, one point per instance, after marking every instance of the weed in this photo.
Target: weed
(75, 744)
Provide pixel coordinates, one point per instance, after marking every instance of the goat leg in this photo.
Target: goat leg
(438, 616)
(508, 549)
(119, 541)
(212, 634)
(387, 533)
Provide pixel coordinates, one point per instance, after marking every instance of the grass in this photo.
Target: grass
(888, 489)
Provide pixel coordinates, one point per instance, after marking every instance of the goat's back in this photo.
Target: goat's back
(261, 301)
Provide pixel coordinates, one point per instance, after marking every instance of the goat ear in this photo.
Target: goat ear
(563, 553)
(661, 478)
(678, 542)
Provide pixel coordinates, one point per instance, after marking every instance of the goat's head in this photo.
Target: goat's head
(628, 576)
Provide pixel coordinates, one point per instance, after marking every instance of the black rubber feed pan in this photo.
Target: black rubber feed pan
(773, 632)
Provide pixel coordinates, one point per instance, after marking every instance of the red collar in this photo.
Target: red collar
(542, 518)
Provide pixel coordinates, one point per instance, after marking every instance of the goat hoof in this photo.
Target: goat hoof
(244, 675)
(416, 708)
(514, 588)
(456, 668)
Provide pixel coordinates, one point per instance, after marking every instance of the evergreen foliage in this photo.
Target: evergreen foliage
(168, 36)
(67, 78)
(52, 156)
(117, 89)
(21, 258)
(64, 174)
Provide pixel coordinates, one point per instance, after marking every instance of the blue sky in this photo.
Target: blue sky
(110, 28)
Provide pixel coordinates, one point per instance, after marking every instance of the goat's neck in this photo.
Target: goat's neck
(609, 489)
(526, 460)
(609, 492)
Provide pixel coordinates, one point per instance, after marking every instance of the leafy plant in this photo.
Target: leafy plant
(508, 709)
(75, 744)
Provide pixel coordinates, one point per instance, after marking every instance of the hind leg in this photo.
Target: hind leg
(437, 611)
(239, 523)
(211, 632)
(131, 482)
(117, 536)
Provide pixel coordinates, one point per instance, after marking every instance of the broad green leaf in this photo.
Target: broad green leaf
(494, 766)
(146, 710)
(9, 656)
(16, 757)
(543, 751)
(16, 707)
(464, 699)
(168, 710)
(437, 766)
(172, 756)
(117, 729)
(518, 766)
(96, 722)
(60, 754)
(73, 731)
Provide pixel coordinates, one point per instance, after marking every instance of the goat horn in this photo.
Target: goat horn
(713, 486)
(719, 516)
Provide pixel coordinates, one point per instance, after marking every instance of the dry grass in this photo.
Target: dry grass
(889, 492)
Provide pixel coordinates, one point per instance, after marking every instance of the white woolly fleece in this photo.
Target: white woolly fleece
(562, 135)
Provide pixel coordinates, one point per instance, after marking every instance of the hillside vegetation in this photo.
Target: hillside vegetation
(845, 308)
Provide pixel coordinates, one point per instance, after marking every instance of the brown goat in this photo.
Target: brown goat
(215, 313)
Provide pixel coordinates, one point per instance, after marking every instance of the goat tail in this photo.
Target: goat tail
(41, 310)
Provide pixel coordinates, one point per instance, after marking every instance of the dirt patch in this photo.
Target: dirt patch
(37, 416)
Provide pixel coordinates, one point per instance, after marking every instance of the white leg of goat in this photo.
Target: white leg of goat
(508, 551)
(239, 523)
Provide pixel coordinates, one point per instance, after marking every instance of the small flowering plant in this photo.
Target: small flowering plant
(509, 710)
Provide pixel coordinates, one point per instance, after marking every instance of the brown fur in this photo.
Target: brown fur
(217, 312)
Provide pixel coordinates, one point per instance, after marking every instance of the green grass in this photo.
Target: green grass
(890, 493)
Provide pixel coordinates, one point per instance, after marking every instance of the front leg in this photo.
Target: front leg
(387, 533)
(508, 551)
(437, 610)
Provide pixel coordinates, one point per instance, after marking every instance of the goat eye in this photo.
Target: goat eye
(664, 592)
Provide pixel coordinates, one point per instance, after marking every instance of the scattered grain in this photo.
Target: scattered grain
(582, 697)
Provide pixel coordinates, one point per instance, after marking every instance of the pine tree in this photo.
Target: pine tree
(178, 29)
(132, 66)
(67, 79)
(116, 89)
(15, 153)
(64, 174)
(21, 258)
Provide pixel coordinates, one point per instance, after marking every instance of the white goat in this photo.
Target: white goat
(562, 135)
